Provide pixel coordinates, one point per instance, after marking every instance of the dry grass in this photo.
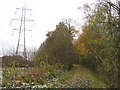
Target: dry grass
(38, 73)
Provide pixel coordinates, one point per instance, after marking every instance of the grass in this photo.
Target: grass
(86, 72)
(81, 71)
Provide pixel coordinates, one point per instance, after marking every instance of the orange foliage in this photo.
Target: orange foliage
(81, 48)
(76, 31)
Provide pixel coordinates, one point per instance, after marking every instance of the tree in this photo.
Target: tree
(58, 46)
(99, 38)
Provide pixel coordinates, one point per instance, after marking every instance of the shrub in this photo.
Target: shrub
(39, 74)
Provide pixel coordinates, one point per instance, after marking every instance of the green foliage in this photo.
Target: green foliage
(53, 70)
(58, 46)
(101, 39)
(26, 76)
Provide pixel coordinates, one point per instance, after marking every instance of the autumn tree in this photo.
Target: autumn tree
(97, 46)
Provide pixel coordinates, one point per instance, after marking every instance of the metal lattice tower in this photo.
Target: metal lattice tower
(22, 28)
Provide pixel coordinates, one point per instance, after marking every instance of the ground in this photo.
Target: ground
(80, 77)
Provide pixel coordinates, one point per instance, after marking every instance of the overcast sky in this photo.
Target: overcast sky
(46, 13)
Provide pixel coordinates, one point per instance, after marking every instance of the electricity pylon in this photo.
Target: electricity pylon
(22, 28)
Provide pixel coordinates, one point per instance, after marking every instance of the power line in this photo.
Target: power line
(22, 28)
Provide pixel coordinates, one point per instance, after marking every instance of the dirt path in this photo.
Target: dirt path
(83, 78)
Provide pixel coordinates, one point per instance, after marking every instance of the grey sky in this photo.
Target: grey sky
(46, 13)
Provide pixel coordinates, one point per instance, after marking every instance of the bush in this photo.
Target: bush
(52, 69)
(39, 74)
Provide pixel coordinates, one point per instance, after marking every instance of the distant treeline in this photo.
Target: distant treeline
(16, 60)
